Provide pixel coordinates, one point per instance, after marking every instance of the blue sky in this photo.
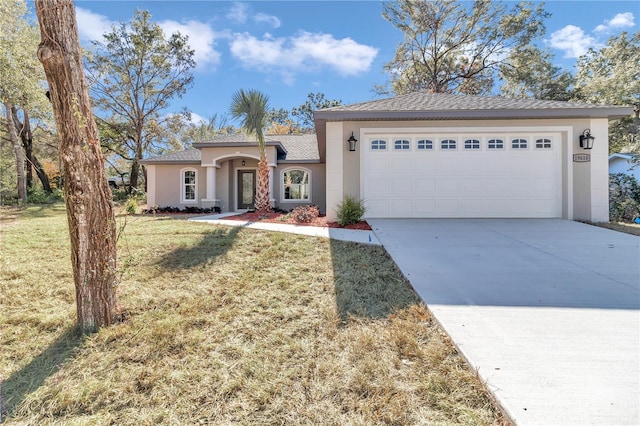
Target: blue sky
(287, 49)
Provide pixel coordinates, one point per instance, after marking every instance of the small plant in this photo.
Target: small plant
(131, 205)
(350, 210)
(305, 214)
(624, 198)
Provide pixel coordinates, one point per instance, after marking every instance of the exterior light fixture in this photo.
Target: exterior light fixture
(586, 140)
(244, 162)
(352, 142)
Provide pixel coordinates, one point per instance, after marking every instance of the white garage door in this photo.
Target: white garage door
(450, 175)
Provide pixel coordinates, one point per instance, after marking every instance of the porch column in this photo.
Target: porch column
(210, 199)
(272, 199)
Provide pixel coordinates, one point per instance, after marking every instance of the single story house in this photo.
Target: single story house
(421, 155)
(629, 164)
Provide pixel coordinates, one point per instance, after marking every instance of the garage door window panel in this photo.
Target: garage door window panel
(378, 145)
(543, 143)
(471, 144)
(425, 144)
(448, 144)
(401, 145)
(495, 144)
(519, 144)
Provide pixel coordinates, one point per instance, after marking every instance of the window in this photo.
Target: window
(189, 186)
(378, 145)
(543, 143)
(401, 145)
(295, 185)
(425, 144)
(519, 144)
(495, 144)
(448, 144)
(472, 144)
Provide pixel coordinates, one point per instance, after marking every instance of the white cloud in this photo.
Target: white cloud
(238, 13)
(267, 19)
(197, 119)
(92, 26)
(572, 40)
(201, 40)
(303, 52)
(620, 21)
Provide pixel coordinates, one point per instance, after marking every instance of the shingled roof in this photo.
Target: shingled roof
(291, 148)
(424, 105)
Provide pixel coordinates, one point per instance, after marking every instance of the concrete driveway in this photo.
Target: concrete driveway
(547, 310)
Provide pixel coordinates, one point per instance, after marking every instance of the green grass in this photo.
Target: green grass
(224, 326)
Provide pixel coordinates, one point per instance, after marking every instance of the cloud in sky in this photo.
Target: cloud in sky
(301, 52)
(267, 19)
(572, 41)
(238, 13)
(201, 39)
(91, 26)
(618, 22)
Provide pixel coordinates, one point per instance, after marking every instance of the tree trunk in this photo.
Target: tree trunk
(15, 142)
(262, 202)
(87, 195)
(26, 135)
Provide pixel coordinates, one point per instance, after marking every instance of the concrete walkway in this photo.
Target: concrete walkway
(357, 236)
(547, 311)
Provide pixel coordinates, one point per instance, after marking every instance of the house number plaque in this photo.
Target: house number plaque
(581, 158)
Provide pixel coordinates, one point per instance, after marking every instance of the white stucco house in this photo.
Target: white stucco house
(420, 155)
(629, 164)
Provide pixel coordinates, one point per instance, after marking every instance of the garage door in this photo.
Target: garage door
(450, 175)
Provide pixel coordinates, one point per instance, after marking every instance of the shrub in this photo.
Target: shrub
(624, 198)
(305, 214)
(131, 205)
(350, 210)
(39, 196)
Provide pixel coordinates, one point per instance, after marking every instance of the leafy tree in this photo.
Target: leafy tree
(610, 75)
(530, 73)
(315, 101)
(251, 107)
(203, 131)
(20, 87)
(87, 194)
(135, 72)
(456, 47)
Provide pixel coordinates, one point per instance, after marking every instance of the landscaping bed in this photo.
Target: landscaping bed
(280, 217)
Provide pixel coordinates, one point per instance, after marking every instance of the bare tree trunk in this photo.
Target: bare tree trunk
(87, 194)
(262, 201)
(11, 129)
(26, 135)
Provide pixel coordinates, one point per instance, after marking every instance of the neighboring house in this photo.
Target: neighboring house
(420, 155)
(629, 164)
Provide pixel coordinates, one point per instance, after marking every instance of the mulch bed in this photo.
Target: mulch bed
(274, 217)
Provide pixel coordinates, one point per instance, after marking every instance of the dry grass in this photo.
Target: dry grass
(627, 228)
(225, 326)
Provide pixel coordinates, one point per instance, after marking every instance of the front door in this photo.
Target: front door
(246, 189)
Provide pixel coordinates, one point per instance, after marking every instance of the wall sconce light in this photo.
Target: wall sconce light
(586, 140)
(352, 142)
(244, 162)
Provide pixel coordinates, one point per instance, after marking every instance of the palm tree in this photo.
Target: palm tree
(251, 108)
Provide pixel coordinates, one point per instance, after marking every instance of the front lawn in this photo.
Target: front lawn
(224, 326)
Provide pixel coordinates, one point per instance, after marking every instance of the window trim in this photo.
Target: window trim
(308, 200)
(183, 186)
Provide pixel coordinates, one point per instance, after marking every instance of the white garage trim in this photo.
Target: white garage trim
(459, 176)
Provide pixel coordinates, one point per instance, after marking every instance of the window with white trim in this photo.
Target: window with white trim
(378, 145)
(448, 144)
(424, 144)
(472, 144)
(401, 145)
(296, 184)
(519, 144)
(495, 144)
(189, 185)
(543, 143)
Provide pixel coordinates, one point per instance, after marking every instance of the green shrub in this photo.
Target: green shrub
(131, 205)
(305, 214)
(624, 198)
(350, 210)
(39, 196)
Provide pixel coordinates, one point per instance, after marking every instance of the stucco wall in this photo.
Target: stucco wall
(168, 185)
